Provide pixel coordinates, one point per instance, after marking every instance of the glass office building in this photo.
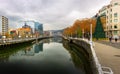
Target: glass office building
(38, 29)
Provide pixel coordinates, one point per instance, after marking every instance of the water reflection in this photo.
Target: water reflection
(6, 52)
(57, 40)
(48, 56)
(79, 57)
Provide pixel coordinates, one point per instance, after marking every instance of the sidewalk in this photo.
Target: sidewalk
(108, 56)
(112, 43)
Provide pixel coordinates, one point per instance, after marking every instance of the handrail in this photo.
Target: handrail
(101, 69)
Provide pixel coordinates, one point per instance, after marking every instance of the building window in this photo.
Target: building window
(115, 32)
(110, 21)
(115, 20)
(115, 26)
(110, 15)
(111, 27)
(107, 21)
(116, 4)
(111, 10)
(115, 14)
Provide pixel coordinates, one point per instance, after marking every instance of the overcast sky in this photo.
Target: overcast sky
(54, 14)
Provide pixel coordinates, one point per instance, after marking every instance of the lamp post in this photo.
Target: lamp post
(4, 39)
(91, 34)
(71, 34)
(83, 34)
(76, 33)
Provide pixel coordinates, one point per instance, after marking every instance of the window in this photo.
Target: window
(110, 15)
(110, 21)
(107, 17)
(111, 10)
(115, 32)
(107, 11)
(115, 14)
(115, 20)
(115, 26)
(111, 27)
(104, 13)
(116, 4)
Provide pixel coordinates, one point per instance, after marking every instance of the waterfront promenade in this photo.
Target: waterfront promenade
(108, 54)
(9, 42)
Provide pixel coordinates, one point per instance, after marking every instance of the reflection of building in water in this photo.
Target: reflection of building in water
(38, 47)
(30, 51)
(46, 41)
(56, 39)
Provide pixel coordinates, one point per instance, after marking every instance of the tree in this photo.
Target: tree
(99, 32)
(79, 32)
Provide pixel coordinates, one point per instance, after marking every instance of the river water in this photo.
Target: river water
(49, 56)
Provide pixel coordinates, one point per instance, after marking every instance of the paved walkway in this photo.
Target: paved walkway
(113, 43)
(108, 56)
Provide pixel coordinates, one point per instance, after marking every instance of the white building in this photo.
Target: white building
(112, 12)
(3, 25)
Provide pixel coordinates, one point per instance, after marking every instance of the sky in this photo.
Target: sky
(53, 14)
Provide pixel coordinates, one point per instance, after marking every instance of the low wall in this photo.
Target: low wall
(89, 49)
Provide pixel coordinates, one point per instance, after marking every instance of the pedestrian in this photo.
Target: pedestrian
(116, 39)
(110, 39)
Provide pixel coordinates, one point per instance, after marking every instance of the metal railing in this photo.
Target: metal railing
(101, 70)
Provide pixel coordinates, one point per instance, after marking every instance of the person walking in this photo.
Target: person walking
(116, 39)
(110, 38)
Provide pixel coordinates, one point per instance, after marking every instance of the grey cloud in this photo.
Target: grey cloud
(55, 13)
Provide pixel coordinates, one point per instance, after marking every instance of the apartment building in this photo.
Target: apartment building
(112, 13)
(3, 25)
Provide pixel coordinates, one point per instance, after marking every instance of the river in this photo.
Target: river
(48, 56)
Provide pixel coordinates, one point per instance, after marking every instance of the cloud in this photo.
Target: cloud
(54, 14)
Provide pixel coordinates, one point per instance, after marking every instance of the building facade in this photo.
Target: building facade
(38, 29)
(112, 13)
(25, 31)
(3, 25)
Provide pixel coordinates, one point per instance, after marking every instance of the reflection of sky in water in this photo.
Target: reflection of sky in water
(44, 57)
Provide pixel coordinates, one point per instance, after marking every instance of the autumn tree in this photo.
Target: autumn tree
(79, 25)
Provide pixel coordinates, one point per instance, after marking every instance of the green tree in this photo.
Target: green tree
(79, 32)
(99, 32)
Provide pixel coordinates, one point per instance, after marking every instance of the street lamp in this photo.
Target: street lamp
(71, 34)
(83, 33)
(4, 38)
(91, 34)
(19, 36)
